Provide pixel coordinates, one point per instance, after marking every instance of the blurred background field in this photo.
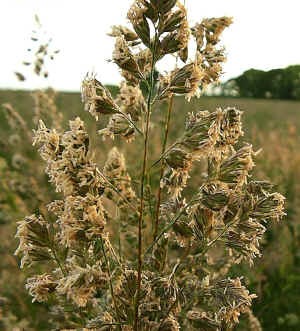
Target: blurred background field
(271, 124)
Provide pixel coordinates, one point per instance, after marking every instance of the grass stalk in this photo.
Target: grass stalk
(58, 262)
(167, 125)
(146, 141)
(117, 191)
(169, 225)
(131, 122)
(226, 228)
(110, 283)
(163, 154)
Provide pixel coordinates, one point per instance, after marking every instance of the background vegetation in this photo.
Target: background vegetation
(273, 84)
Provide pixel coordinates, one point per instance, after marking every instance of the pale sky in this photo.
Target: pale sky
(265, 35)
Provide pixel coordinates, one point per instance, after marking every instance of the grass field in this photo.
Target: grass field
(273, 125)
(263, 113)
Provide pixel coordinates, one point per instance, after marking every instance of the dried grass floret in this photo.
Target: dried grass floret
(136, 16)
(40, 287)
(96, 97)
(233, 299)
(118, 126)
(81, 283)
(125, 59)
(35, 240)
(131, 101)
(119, 30)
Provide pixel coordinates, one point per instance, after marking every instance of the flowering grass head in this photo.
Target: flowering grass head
(127, 254)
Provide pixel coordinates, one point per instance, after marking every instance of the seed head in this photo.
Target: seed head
(144, 60)
(118, 125)
(170, 324)
(164, 6)
(96, 97)
(201, 133)
(123, 57)
(202, 321)
(187, 79)
(245, 245)
(213, 197)
(183, 32)
(207, 35)
(14, 139)
(34, 240)
(131, 101)
(203, 221)
(117, 31)
(178, 158)
(210, 29)
(270, 206)
(40, 287)
(136, 16)
(234, 170)
(18, 161)
(14, 119)
(81, 284)
(233, 299)
(179, 33)
(116, 172)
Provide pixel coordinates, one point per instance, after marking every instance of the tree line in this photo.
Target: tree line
(274, 84)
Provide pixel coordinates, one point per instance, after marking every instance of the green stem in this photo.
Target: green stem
(185, 254)
(58, 262)
(167, 125)
(110, 282)
(169, 225)
(226, 228)
(146, 140)
(117, 191)
(119, 233)
(164, 154)
(131, 122)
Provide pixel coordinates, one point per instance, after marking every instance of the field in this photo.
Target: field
(273, 125)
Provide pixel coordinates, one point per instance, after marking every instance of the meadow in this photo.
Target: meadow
(271, 124)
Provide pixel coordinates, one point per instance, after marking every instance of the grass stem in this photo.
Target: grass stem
(146, 141)
(167, 125)
(110, 282)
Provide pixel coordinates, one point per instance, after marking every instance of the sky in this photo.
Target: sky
(265, 35)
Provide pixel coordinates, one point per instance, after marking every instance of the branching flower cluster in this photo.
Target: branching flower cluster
(125, 254)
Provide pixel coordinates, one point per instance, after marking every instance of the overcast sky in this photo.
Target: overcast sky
(265, 35)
